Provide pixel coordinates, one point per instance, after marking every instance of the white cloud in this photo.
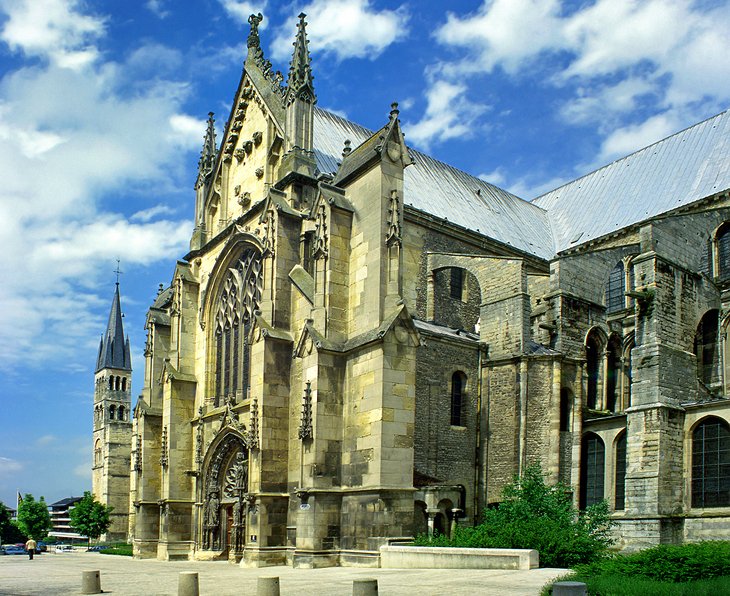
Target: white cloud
(110, 128)
(498, 177)
(8, 466)
(149, 214)
(51, 29)
(666, 56)
(609, 101)
(157, 7)
(186, 130)
(630, 138)
(45, 440)
(449, 114)
(83, 470)
(504, 33)
(242, 9)
(345, 29)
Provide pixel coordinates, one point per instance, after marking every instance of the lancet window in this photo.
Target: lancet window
(239, 298)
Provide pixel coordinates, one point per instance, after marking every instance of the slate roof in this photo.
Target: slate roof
(443, 191)
(688, 166)
(113, 347)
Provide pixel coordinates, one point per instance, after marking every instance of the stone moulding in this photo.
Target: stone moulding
(427, 557)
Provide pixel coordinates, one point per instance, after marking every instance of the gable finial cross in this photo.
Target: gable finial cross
(118, 271)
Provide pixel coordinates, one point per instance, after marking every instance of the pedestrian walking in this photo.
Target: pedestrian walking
(30, 547)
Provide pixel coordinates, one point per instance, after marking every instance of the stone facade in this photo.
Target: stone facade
(339, 364)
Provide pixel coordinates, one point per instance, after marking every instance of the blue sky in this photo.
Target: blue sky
(102, 114)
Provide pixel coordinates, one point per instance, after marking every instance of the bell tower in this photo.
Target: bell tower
(112, 422)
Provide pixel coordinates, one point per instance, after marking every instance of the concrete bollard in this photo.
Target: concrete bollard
(267, 586)
(90, 582)
(365, 587)
(187, 584)
(569, 589)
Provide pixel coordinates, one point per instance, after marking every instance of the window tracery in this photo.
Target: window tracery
(239, 298)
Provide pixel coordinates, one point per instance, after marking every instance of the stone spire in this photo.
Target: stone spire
(114, 348)
(300, 83)
(207, 155)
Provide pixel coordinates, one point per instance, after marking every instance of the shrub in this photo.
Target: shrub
(535, 515)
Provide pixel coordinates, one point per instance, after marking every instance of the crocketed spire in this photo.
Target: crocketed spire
(300, 83)
(207, 155)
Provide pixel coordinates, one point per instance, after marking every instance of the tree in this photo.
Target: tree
(89, 517)
(33, 518)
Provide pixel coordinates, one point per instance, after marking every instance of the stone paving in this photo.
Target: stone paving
(53, 574)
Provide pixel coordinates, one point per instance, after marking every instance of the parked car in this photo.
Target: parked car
(41, 547)
(14, 550)
(98, 547)
(64, 548)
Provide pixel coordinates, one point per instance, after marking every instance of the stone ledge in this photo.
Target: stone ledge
(427, 557)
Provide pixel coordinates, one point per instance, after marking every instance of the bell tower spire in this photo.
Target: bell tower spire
(112, 430)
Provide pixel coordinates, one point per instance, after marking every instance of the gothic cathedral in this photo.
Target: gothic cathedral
(364, 343)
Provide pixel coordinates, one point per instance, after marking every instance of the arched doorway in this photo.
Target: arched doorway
(225, 498)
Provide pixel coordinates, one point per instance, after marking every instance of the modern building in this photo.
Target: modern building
(364, 343)
(113, 423)
(61, 520)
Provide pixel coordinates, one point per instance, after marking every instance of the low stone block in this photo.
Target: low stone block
(425, 557)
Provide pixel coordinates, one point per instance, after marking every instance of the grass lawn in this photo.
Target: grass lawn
(623, 585)
(118, 549)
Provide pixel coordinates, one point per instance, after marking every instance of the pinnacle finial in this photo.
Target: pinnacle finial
(300, 82)
(347, 149)
(207, 155)
(394, 110)
(253, 37)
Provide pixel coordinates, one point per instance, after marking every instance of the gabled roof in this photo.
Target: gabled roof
(688, 166)
(443, 191)
(114, 348)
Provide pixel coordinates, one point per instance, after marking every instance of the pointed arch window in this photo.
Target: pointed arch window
(613, 372)
(620, 480)
(615, 289)
(566, 406)
(238, 300)
(593, 467)
(711, 463)
(722, 241)
(458, 384)
(706, 348)
(593, 368)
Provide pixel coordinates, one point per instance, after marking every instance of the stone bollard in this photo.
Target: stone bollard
(365, 587)
(267, 586)
(90, 582)
(569, 589)
(187, 584)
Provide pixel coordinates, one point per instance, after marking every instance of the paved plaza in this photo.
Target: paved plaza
(52, 574)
